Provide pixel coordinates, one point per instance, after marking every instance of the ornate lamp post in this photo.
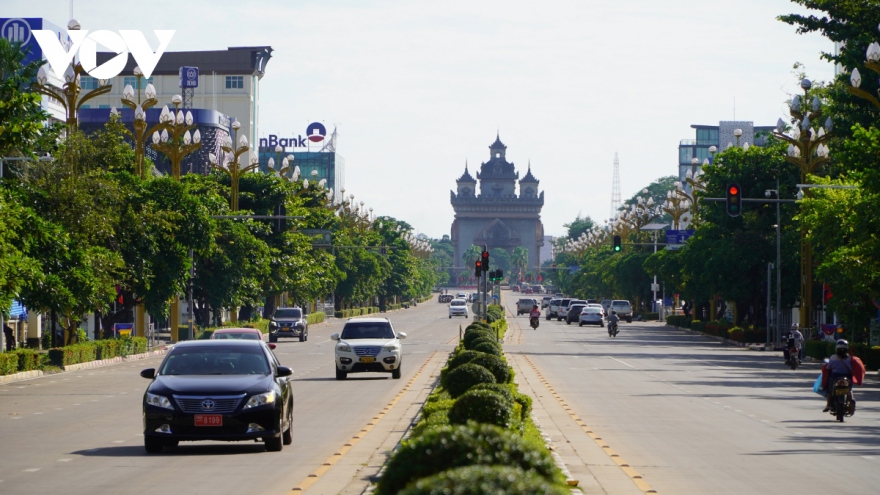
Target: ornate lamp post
(285, 163)
(675, 206)
(229, 162)
(71, 94)
(807, 150)
(872, 62)
(140, 119)
(176, 144)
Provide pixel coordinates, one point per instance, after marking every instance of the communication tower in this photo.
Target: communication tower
(615, 189)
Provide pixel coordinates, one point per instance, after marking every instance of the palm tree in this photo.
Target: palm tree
(519, 259)
(471, 255)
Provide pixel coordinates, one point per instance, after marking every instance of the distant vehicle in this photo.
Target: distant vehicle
(591, 315)
(623, 309)
(368, 345)
(515, 288)
(525, 305)
(597, 306)
(574, 312)
(538, 289)
(461, 295)
(290, 322)
(551, 308)
(445, 298)
(527, 290)
(562, 308)
(545, 301)
(458, 307)
(238, 333)
(474, 297)
(222, 389)
(606, 305)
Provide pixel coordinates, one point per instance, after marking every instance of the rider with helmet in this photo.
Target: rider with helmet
(795, 342)
(613, 319)
(534, 316)
(842, 365)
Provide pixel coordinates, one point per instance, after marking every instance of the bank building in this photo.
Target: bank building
(496, 214)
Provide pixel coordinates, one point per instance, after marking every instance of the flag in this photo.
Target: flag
(826, 293)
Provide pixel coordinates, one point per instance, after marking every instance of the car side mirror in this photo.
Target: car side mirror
(149, 373)
(272, 346)
(283, 371)
(401, 335)
(335, 336)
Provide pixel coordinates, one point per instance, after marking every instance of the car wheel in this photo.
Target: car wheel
(396, 373)
(581, 324)
(273, 338)
(629, 320)
(450, 317)
(307, 335)
(302, 337)
(602, 324)
(568, 322)
(154, 445)
(548, 317)
(274, 444)
(172, 443)
(341, 375)
(287, 436)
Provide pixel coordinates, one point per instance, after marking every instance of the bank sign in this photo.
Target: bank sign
(315, 133)
(18, 30)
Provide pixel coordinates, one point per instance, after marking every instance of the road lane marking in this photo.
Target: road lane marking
(326, 465)
(633, 475)
(621, 362)
(64, 460)
(31, 470)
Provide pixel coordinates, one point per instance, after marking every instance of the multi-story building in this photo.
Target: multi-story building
(498, 217)
(721, 136)
(328, 164)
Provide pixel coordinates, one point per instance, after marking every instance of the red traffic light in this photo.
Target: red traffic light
(733, 190)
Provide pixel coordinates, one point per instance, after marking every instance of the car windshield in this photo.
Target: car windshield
(236, 335)
(367, 331)
(458, 302)
(215, 361)
(620, 304)
(288, 313)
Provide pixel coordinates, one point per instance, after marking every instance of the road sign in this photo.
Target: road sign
(678, 236)
(188, 77)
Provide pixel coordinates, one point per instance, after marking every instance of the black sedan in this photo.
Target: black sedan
(218, 390)
(574, 313)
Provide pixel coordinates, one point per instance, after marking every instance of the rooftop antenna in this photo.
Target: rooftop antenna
(71, 10)
(734, 108)
(615, 188)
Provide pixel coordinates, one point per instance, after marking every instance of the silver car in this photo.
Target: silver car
(591, 315)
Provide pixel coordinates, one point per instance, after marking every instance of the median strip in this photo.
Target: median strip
(634, 475)
(312, 478)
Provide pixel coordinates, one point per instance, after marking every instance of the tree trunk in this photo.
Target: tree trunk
(269, 307)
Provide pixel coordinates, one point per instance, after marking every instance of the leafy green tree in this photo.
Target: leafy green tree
(578, 226)
(499, 258)
(471, 255)
(519, 262)
(21, 117)
(657, 190)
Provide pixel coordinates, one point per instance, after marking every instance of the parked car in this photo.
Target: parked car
(288, 322)
(222, 389)
(623, 309)
(574, 312)
(545, 301)
(458, 307)
(591, 315)
(368, 345)
(606, 305)
(525, 305)
(445, 298)
(550, 311)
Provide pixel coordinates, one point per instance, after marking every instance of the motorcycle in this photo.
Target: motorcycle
(794, 358)
(842, 403)
(533, 322)
(612, 330)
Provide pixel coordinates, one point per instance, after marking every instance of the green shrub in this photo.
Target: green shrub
(472, 344)
(482, 406)
(439, 405)
(480, 480)
(500, 388)
(460, 358)
(698, 325)
(28, 359)
(315, 318)
(869, 355)
(8, 363)
(477, 333)
(495, 364)
(447, 447)
(525, 403)
(107, 348)
(461, 379)
(488, 348)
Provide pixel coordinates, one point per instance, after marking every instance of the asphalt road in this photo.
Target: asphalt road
(694, 416)
(81, 432)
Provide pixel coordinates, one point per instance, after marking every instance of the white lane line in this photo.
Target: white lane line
(31, 470)
(38, 413)
(621, 362)
(64, 460)
(865, 457)
(118, 441)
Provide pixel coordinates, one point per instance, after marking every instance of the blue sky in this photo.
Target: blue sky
(417, 88)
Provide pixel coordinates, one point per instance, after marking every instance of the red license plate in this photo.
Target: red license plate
(209, 420)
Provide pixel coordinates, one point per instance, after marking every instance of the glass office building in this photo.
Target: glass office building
(329, 165)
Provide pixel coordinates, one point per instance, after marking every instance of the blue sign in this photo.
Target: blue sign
(572, 269)
(678, 236)
(18, 30)
(315, 132)
(189, 77)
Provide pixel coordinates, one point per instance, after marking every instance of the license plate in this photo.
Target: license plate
(368, 360)
(285, 329)
(841, 391)
(209, 420)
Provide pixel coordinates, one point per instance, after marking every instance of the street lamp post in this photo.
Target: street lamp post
(229, 164)
(807, 150)
(70, 95)
(138, 135)
(176, 144)
(778, 333)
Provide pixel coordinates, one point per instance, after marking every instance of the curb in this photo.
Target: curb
(556, 457)
(27, 375)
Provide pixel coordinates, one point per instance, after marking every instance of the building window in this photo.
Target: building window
(234, 82)
(88, 82)
(707, 136)
(103, 106)
(133, 81)
(685, 155)
(85, 107)
(703, 153)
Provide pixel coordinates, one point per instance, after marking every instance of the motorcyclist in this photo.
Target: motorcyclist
(534, 316)
(795, 342)
(613, 320)
(842, 365)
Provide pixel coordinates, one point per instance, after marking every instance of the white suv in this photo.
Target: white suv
(368, 345)
(458, 307)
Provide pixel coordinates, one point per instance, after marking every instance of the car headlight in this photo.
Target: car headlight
(158, 401)
(260, 400)
(391, 348)
(342, 347)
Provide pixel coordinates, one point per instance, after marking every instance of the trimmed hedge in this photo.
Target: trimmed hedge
(8, 363)
(460, 358)
(500, 388)
(88, 351)
(351, 313)
(478, 333)
(28, 359)
(495, 364)
(481, 480)
(482, 406)
(446, 447)
(474, 342)
(461, 379)
(315, 318)
(488, 347)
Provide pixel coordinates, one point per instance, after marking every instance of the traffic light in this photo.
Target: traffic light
(485, 261)
(500, 274)
(478, 269)
(617, 246)
(734, 200)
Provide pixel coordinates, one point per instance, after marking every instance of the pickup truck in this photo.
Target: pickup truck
(525, 305)
(623, 309)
